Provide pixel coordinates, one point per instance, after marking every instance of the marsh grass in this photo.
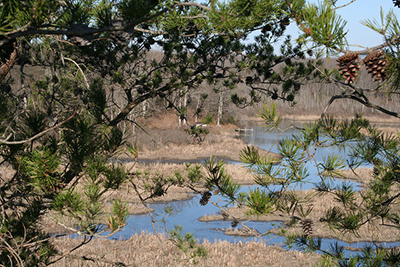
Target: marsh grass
(156, 250)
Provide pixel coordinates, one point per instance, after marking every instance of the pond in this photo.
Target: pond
(186, 213)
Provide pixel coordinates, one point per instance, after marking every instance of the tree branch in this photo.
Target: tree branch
(6, 67)
(6, 142)
(349, 3)
(112, 263)
(365, 103)
(374, 48)
(80, 69)
(85, 31)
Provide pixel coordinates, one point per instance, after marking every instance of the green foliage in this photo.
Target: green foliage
(97, 102)
(40, 169)
(132, 10)
(76, 13)
(198, 133)
(331, 166)
(259, 202)
(218, 178)
(103, 14)
(34, 122)
(250, 156)
(118, 217)
(324, 25)
(188, 244)
(229, 120)
(68, 202)
(194, 173)
(269, 116)
(293, 204)
(115, 176)
(208, 119)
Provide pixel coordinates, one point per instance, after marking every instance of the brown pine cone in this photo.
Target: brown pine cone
(307, 225)
(349, 66)
(376, 63)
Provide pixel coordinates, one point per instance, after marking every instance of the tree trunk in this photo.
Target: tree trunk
(185, 107)
(182, 106)
(220, 106)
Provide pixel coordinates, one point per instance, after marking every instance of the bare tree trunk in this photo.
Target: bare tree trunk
(144, 108)
(134, 126)
(196, 118)
(180, 118)
(220, 106)
(182, 107)
(185, 107)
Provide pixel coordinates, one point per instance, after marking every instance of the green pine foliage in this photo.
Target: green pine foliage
(352, 210)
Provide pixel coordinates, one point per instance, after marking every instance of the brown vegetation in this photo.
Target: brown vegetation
(157, 250)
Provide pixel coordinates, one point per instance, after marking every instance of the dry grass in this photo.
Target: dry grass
(225, 146)
(157, 250)
(361, 175)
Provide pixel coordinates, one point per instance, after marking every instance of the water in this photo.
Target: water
(187, 212)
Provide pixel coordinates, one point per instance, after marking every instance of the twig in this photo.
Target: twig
(13, 253)
(349, 3)
(113, 263)
(80, 69)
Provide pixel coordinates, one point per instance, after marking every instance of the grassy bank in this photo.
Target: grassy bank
(157, 250)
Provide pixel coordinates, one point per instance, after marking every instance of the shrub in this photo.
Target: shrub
(208, 119)
(198, 133)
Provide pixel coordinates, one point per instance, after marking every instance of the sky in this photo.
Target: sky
(356, 12)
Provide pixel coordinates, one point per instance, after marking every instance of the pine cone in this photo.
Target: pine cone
(307, 226)
(349, 66)
(205, 197)
(225, 215)
(234, 223)
(375, 63)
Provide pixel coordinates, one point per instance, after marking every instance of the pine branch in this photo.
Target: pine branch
(344, 5)
(6, 142)
(365, 103)
(26, 31)
(6, 67)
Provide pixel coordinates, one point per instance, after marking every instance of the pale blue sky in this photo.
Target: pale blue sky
(355, 13)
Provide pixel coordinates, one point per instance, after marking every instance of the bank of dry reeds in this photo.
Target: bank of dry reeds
(157, 250)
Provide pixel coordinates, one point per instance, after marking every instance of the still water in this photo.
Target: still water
(186, 213)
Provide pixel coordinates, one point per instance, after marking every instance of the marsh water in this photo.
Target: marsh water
(186, 213)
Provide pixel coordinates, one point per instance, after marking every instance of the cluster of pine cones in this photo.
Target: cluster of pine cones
(350, 65)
